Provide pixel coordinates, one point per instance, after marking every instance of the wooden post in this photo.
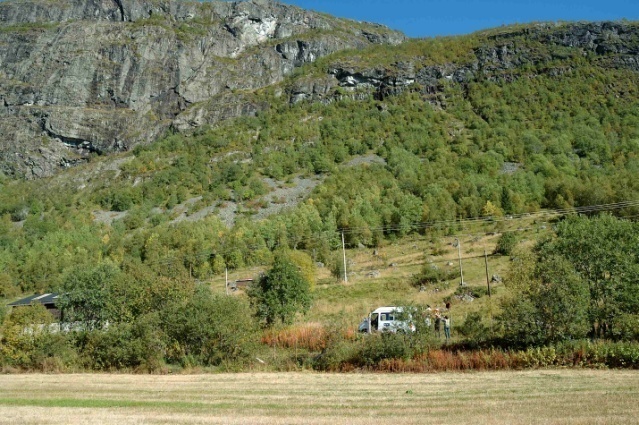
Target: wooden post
(344, 255)
(487, 278)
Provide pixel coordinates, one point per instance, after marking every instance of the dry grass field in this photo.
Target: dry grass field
(385, 278)
(529, 397)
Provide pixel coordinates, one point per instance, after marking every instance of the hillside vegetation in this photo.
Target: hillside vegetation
(406, 170)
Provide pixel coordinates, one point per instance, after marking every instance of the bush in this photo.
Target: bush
(626, 327)
(338, 356)
(506, 243)
(4, 312)
(430, 275)
(137, 346)
(384, 345)
(29, 343)
(341, 346)
(7, 288)
(473, 328)
(475, 291)
(336, 266)
(281, 293)
(306, 266)
(209, 330)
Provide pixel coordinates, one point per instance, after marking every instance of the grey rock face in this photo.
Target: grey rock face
(83, 76)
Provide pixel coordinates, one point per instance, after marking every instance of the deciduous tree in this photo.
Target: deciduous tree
(281, 293)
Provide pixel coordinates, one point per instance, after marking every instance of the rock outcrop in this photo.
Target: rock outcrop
(83, 76)
(615, 43)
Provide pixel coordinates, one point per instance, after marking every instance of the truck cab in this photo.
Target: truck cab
(386, 319)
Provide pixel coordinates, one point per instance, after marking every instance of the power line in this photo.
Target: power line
(328, 235)
(532, 215)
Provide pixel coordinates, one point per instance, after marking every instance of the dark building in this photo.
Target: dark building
(47, 300)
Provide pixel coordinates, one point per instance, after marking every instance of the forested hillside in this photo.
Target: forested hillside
(560, 130)
(377, 145)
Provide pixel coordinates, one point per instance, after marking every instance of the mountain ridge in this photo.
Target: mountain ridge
(105, 75)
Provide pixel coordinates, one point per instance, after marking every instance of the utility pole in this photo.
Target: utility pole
(457, 244)
(487, 279)
(226, 279)
(344, 255)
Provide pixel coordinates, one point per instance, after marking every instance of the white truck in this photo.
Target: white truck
(386, 319)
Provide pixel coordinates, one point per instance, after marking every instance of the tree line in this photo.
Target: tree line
(578, 285)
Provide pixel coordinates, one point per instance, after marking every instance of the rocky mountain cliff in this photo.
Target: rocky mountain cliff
(495, 56)
(83, 76)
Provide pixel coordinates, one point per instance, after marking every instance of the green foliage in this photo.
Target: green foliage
(506, 243)
(627, 327)
(4, 312)
(550, 305)
(337, 266)
(384, 345)
(581, 353)
(474, 329)
(85, 295)
(337, 354)
(603, 251)
(125, 346)
(339, 349)
(281, 293)
(28, 342)
(559, 131)
(305, 265)
(7, 288)
(497, 147)
(369, 350)
(209, 330)
(583, 281)
(474, 291)
(431, 274)
(366, 351)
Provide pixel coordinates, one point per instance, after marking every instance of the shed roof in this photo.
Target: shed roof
(44, 299)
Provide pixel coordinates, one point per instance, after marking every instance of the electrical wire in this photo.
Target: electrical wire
(423, 226)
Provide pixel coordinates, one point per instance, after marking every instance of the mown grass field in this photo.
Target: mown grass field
(529, 397)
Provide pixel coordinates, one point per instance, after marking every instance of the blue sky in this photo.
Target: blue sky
(427, 18)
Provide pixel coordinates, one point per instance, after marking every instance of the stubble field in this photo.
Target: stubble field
(529, 397)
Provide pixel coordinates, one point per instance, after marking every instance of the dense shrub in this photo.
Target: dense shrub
(583, 353)
(506, 243)
(281, 293)
(339, 355)
(7, 287)
(124, 346)
(627, 327)
(384, 345)
(4, 312)
(473, 291)
(30, 341)
(431, 274)
(336, 266)
(473, 329)
(209, 330)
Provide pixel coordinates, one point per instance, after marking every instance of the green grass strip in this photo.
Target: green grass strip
(108, 403)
